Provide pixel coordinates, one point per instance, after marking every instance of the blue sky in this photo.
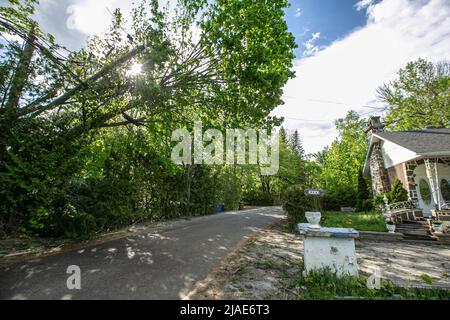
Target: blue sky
(333, 19)
(347, 49)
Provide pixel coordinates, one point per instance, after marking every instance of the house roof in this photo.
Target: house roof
(422, 142)
(427, 142)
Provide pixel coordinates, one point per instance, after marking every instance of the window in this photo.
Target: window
(445, 189)
(425, 191)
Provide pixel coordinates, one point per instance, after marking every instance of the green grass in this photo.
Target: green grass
(371, 221)
(325, 285)
(427, 279)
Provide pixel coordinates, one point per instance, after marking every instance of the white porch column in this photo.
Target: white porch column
(431, 170)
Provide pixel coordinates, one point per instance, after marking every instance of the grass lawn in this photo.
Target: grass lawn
(371, 221)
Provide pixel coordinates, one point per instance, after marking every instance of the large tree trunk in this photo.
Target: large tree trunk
(18, 82)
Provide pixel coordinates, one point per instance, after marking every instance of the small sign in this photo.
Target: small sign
(314, 192)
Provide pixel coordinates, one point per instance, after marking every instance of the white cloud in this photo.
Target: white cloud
(310, 46)
(72, 21)
(90, 17)
(363, 4)
(346, 74)
(298, 12)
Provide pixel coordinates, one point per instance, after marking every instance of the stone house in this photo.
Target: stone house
(420, 159)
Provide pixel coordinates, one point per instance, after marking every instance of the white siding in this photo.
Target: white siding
(394, 154)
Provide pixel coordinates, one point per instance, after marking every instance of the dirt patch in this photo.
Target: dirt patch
(266, 266)
(262, 267)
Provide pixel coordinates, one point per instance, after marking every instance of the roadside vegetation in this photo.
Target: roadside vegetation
(325, 285)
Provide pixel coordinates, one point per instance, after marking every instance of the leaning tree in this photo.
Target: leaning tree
(222, 62)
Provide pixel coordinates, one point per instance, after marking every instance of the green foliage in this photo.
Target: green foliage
(362, 221)
(339, 198)
(398, 193)
(363, 194)
(296, 204)
(296, 145)
(326, 285)
(419, 97)
(341, 163)
(426, 278)
(78, 159)
(230, 188)
(378, 200)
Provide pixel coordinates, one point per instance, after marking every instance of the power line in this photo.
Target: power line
(306, 120)
(129, 37)
(326, 101)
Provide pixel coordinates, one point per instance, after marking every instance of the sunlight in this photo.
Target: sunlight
(135, 70)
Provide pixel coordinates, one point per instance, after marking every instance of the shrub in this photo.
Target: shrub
(363, 202)
(398, 193)
(378, 200)
(333, 201)
(296, 204)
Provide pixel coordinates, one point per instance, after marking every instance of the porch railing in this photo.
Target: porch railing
(409, 205)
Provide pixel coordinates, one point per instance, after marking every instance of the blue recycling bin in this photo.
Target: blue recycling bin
(220, 208)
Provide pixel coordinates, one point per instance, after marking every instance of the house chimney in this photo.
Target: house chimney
(374, 125)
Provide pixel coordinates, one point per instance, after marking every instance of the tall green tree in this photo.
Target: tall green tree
(283, 135)
(296, 144)
(343, 160)
(419, 97)
(363, 193)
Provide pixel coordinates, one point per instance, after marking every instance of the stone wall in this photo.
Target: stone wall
(378, 173)
(410, 166)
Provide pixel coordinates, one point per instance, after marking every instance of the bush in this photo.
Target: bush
(379, 200)
(333, 201)
(398, 193)
(363, 195)
(296, 204)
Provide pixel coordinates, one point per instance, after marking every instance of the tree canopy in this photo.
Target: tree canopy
(85, 143)
(419, 97)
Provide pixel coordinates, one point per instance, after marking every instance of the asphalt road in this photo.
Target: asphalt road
(153, 264)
